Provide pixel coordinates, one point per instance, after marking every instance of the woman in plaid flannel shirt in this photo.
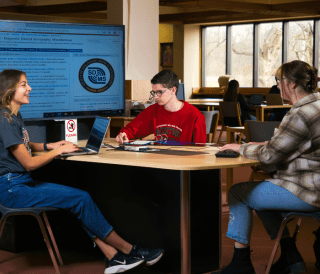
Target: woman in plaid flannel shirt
(294, 152)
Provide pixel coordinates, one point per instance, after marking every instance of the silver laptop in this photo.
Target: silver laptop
(96, 137)
(273, 99)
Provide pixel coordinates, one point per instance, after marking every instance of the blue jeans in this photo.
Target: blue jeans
(268, 200)
(253, 118)
(18, 190)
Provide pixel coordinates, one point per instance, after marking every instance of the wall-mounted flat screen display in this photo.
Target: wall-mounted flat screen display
(74, 70)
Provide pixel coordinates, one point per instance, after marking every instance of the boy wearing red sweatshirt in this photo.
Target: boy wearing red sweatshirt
(169, 118)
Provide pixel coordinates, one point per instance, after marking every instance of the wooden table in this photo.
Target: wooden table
(260, 110)
(187, 175)
(209, 105)
(204, 100)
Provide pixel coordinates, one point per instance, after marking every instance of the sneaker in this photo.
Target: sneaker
(121, 263)
(151, 256)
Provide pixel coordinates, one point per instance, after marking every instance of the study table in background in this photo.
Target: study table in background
(209, 104)
(169, 199)
(260, 110)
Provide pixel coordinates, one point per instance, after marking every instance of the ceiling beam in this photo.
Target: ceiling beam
(20, 2)
(221, 16)
(231, 9)
(64, 8)
(241, 6)
(193, 15)
(309, 6)
(86, 15)
(12, 3)
(244, 18)
(306, 7)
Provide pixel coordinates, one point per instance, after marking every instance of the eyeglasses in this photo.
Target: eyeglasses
(157, 92)
(278, 80)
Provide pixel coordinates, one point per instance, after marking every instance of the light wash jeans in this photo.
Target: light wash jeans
(268, 200)
(19, 190)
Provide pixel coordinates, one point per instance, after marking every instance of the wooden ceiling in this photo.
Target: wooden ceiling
(177, 11)
(231, 11)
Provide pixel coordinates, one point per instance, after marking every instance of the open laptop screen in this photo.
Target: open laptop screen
(97, 133)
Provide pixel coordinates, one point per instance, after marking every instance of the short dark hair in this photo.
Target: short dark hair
(167, 78)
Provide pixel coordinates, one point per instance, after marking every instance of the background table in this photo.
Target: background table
(260, 110)
(207, 103)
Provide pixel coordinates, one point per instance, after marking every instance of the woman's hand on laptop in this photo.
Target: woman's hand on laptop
(68, 147)
(58, 144)
(122, 137)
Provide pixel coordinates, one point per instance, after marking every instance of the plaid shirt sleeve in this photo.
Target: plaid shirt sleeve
(290, 141)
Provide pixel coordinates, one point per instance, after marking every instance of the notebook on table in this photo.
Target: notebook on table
(274, 99)
(96, 137)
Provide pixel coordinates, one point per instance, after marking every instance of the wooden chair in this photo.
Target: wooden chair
(212, 119)
(231, 121)
(257, 131)
(289, 216)
(36, 212)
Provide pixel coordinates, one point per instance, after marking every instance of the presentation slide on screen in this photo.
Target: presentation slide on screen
(76, 70)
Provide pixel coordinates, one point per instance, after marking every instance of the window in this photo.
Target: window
(270, 53)
(300, 41)
(242, 54)
(215, 55)
(251, 53)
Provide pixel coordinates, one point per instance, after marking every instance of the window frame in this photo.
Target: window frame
(256, 32)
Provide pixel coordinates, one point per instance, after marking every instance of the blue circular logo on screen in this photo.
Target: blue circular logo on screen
(96, 75)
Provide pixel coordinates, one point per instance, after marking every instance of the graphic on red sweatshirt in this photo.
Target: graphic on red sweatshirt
(167, 132)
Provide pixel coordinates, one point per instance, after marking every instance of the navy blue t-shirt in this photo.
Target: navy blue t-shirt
(11, 134)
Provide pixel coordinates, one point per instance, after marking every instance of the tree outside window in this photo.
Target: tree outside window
(242, 54)
(215, 55)
(270, 53)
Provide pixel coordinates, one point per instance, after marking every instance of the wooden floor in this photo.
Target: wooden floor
(39, 262)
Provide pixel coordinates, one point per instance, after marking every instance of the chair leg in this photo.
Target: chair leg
(240, 136)
(297, 228)
(46, 238)
(52, 237)
(2, 224)
(220, 135)
(276, 244)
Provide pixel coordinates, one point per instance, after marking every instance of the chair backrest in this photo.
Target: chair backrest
(231, 114)
(212, 118)
(257, 131)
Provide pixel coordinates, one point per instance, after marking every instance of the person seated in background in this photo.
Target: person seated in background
(223, 82)
(18, 190)
(294, 152)
(276, 114)
(169, 118)
(233, 95)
